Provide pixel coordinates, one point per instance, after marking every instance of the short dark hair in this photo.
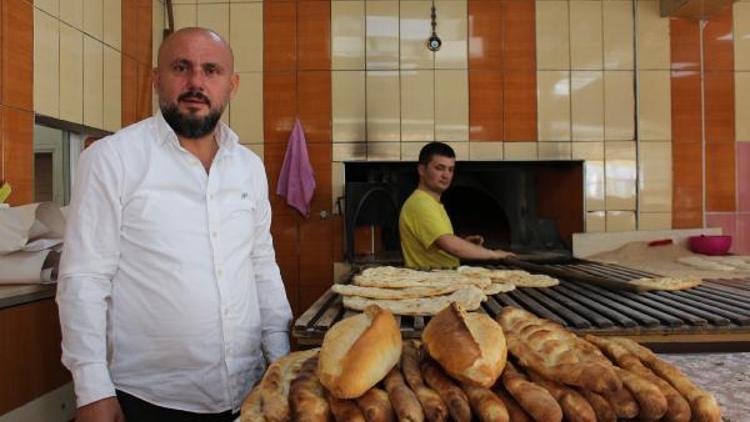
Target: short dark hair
(435, 148)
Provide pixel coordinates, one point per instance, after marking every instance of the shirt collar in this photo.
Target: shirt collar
(225, 136)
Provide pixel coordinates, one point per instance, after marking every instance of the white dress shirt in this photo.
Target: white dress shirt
(169, 288)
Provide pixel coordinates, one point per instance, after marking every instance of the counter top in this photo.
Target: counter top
(18, 294)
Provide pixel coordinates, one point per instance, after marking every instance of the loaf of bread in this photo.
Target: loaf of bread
(375, 406)
(602, 408)
(623, 402)
(485, 404)
(575, 407)
(404, 401)
(452, 395)
(515, 411)
(307, 399)
(652, 403)
(432, 404)
(345, 410)
(534, 399)
(358, 351)
(469, 346)
(555, 353)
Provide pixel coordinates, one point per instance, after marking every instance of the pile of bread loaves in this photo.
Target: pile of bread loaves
(405, 291)
(464, 370)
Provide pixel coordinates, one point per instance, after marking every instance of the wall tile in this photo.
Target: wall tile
(383, 151)
(519, 35)
(687, 150)
(620, 221)
(382, 34)
(727, 222)
(655, 106)
(47, 64)
(185, 15)
(414, 25)
(112, 22)
(596, 222)
(617, 23)
(485, 35)
(553, 98)
(620, 173)
(348, 106)
(485, 105)
(718, 42)
(520, 105)
(653, 37)
(742, 36)
(655, 221)
(554, 150)
(586, 41)
(279, 36)
(485, 151)
(246, 36)
(280, 109)
(655, 177)
(71, 74)
(410, 150)
(383, 107)
(18, 54)
(685, 44)
(594, 187)
(417, 105)
(314, 104)
(619, 106)
(720, 139)
(128, 90)
(349, 151)
(453, 23)
(720, 177)
(742, 105)
(71, 12)
(92, 18)
(348, 35)
(112, 90)
(451, 105)
(461, 149)
(144, 92)
(587, 105)
(314, 35)
(246, 113)
(52, 7)
(338, 178)
(743, 176)
(216, 17)
(17, 134)
(158, 18)
(93, 56)
(741, 241)
(520, 151)
(552, 35)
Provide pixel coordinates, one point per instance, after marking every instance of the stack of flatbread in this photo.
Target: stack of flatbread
(405, 291)
(717, 263)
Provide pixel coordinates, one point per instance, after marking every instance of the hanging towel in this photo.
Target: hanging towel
(297, 178)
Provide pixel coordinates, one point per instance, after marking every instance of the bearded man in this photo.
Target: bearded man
(170, 298)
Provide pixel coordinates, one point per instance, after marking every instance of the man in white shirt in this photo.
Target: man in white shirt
(169, 292)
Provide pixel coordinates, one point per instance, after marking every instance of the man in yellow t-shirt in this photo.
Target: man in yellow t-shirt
(427, 239)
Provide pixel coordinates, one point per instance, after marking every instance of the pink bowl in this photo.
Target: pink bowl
(710, 245)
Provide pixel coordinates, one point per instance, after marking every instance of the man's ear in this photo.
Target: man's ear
(421, 169)
(235, 83)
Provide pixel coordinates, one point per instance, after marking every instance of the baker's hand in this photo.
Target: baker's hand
(475, 239)
(500, 254)
(104, 410)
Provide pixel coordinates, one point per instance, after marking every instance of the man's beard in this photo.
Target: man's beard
(188, 126)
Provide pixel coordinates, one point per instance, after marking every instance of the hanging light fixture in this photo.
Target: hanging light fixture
(434, 42)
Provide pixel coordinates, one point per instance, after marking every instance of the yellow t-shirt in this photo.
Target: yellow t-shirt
(422, 221)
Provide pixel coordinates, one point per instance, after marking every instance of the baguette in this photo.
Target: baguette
(602, 408)
(432, 404)
(345, 410)
(623, 403)
(678, 409)
(452, 395)
(404, 401)
(534, 399)
(575, 407)
(652, 403)
(485, 404)
(515, 411)
(306, 395)
(274, 387)
(375, 406)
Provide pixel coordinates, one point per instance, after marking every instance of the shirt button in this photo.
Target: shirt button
(220, 271)
(213, 234)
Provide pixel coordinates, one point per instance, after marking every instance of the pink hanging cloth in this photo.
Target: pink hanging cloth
(297, 178)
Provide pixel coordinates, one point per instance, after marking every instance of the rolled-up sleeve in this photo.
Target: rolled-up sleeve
(89, 261)
(275, 312)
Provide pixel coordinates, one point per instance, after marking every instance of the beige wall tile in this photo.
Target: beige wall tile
(112, 91)
(451, 105)
(586, 35)
(216, 17)
(587, 105)
(655, 221)
(383, 106)
(552, 35)
(157, 32)
(596, 222)
(258, 149)
(92, 18)
(112, 22)
(619, 106)
(185, 15)
(655, 118)
(620, 221)
(338, 180)
(742, 105)
(93, 83)
(417, 105)
(415, 27)
(617, 23)
(349, 103)
(50, 6)
(71, 12)
(410, 150)
(518, 151)
(71, 74)
(485, 151)
(453, 32)
(553, 99)
(741, 13)
(246, 113)
(655, 177)
(246, 36)
(594, 187)
(349, 151)
(653, 36)
(383, 151)
(461, 149)
(620, 173)
(382, 30)
(554, 150)
(348, 35)
(46, 64)
(184, 1)
(210, 1)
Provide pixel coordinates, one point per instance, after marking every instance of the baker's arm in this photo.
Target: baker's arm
(465, 249)
(88, 263)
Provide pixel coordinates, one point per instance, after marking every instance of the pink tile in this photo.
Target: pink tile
(742, 239)
(728, 224)
(743, 176)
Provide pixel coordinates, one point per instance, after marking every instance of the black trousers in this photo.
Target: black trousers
(137, 410)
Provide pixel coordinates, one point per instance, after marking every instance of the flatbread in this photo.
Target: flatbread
(496, 288)
(401, 280)
(518, 278)
(667, 283)
(704, 264)
(470, 297)
(405, 293)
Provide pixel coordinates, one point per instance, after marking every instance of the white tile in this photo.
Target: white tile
(246, 112)
(451, 105)
(348, 106)
(93, 82)
(46, 64)
(246, 36)
(71, 74)
(112, 93)
(348, 35)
